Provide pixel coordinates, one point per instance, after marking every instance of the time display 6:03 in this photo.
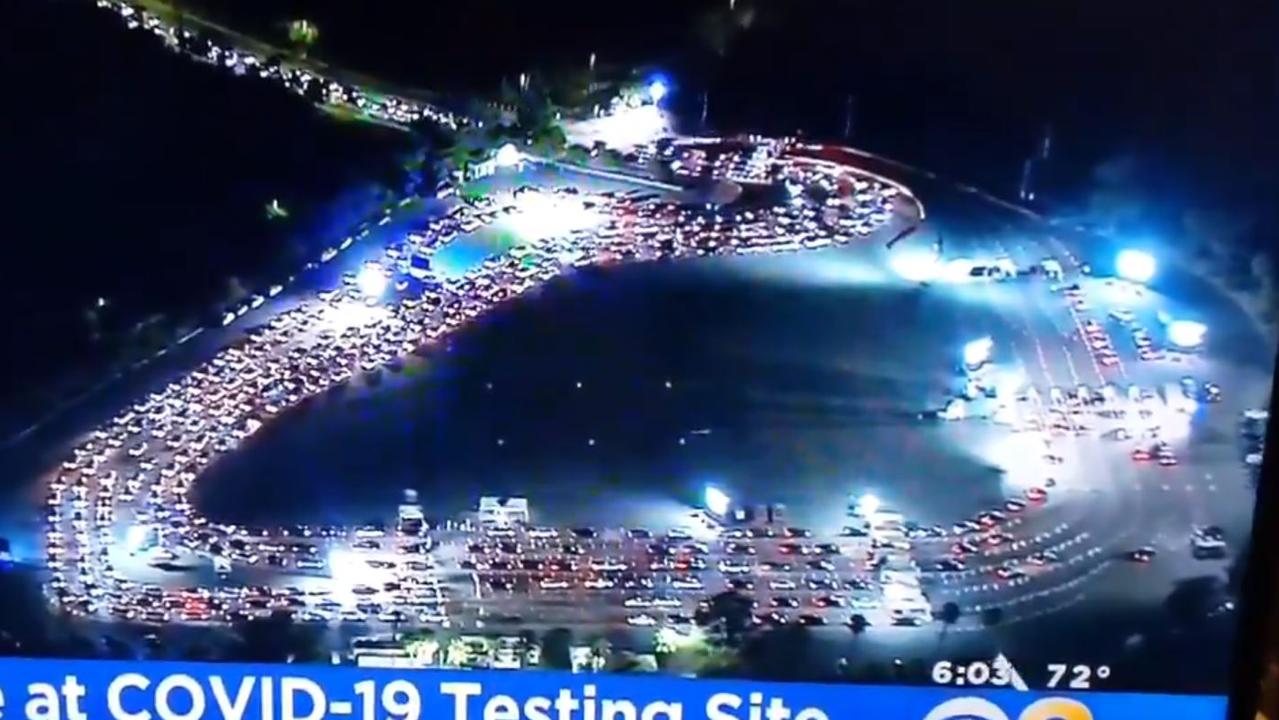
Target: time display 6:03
(978, 672)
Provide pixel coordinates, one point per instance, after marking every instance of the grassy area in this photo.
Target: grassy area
(343, 113)
(174, 12)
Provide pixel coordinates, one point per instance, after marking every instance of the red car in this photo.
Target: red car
(1108, 359)
(998, 538)
(1036, 494)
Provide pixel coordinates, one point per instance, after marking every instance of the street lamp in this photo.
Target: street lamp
(1136, 266)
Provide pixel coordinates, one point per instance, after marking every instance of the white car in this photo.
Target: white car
(550, 584)
(637, 602)
(781, 584)
(730, 567)
(687, 584)
(598, 584)
(1123, 315)
(641, 620)
(607, 565)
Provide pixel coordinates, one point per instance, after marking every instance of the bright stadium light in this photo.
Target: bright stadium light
(1135, 265)
(716, 501)
(657, 90)
(977, 352)
(868, 505)
(371, 281)
(1186, 333)
(508, 156)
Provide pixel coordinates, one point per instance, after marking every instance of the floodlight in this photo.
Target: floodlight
(977, 352)
(657, 90)
(1135, 265)
(508, 156)
(868, 505)
(1186, 333)
(716, 501)
(371, 281)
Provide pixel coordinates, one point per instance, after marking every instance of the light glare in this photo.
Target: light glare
(1135, 265)
(1186, 333)
(657, 90)
(371, 281)
(507, 156)
(977, 352)
(868, 505)
(716, 501)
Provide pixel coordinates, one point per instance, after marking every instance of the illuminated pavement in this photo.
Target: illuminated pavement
(100, 567)
(1100, 506)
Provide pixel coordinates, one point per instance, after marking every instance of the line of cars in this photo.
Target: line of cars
(307, 83)
(156, 449)
(646, 574)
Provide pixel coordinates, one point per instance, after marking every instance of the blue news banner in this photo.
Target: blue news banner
(102, 690)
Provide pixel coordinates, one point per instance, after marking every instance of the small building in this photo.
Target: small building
(503, 511)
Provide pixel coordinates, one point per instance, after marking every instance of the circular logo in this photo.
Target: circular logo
(967, 708)
(973, 708)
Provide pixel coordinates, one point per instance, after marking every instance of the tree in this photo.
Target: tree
(730, 612)
(557, 646)
(772, 655)
(601, 652)
(277, 639)
(1193, 599)
(422, 645)
(948, 616)
(858, 624)
(992, 616)
(235, 290)
(550, 139)
(456, 653)
(303, 34)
